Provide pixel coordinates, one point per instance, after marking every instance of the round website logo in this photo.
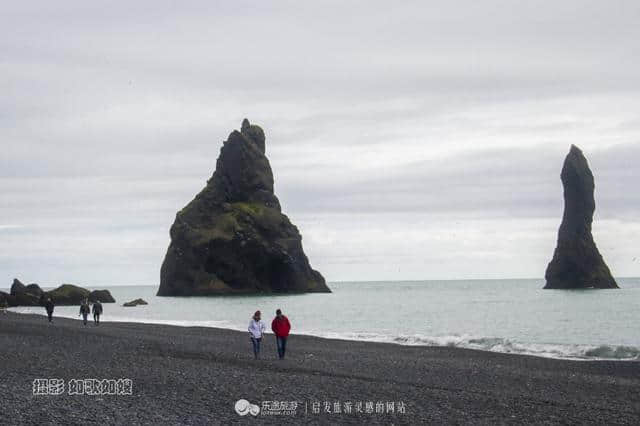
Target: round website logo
(244, 407)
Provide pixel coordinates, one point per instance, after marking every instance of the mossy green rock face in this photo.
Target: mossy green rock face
(576, 262)
(233, 238)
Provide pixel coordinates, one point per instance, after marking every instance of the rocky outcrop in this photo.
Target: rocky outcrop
(102, 296)
(576, 262)
(17, 286)
(66, 294)
(135, 303)
(233, 238)
(69, 294)
(6, 300)
(25, 295)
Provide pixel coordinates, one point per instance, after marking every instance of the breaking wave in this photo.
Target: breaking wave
(498, 344)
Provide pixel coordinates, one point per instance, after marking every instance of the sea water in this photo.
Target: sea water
(513, 316)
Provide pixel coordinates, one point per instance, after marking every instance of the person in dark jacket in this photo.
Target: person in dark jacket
(97, 311)
(48, 305)
(281, 327)
(84, 310)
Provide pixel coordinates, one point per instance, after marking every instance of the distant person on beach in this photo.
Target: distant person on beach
(84, 310)
(256, 330)
(281, 327)
(97, 311)
(48, 305)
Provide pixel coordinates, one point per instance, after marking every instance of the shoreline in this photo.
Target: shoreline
(541, 353)
(196, 375)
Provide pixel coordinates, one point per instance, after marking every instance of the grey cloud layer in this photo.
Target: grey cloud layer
(112, 115)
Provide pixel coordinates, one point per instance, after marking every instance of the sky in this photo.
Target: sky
(408, 140)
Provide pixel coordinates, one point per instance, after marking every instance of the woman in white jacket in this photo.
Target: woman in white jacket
(256, 329)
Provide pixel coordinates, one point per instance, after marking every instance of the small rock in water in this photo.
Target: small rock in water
(135, 302)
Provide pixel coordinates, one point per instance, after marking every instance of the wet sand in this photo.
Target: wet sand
(195, 376)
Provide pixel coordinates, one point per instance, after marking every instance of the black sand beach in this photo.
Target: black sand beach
(195, 376)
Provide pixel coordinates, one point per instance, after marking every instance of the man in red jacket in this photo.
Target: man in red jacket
(281, 327)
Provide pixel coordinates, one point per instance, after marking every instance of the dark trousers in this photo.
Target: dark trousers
(84, 318)
(50, 315)
(96, 318)
(256, 346)
(281, 343)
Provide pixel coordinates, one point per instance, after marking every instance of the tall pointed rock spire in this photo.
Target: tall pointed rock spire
(576, 262)
(232, 237)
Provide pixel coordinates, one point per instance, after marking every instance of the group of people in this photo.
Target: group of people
(280, 327)
(85, 310)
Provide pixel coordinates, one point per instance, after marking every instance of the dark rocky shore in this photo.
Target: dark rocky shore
(195, 376)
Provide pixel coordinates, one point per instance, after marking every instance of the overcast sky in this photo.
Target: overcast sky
(408, 140)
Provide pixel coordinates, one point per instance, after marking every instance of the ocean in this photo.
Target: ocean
(512, 316)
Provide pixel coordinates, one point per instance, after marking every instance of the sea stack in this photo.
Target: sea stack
(576, 262)
(232, 238)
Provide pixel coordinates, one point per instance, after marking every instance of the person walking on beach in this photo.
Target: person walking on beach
(281, 327)
(48, 305)
(256, 330)
(84, 310)
(97, 311)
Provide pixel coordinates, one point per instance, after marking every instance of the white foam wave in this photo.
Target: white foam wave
(498, 344)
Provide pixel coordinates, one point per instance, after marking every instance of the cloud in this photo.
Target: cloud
(414, 119)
